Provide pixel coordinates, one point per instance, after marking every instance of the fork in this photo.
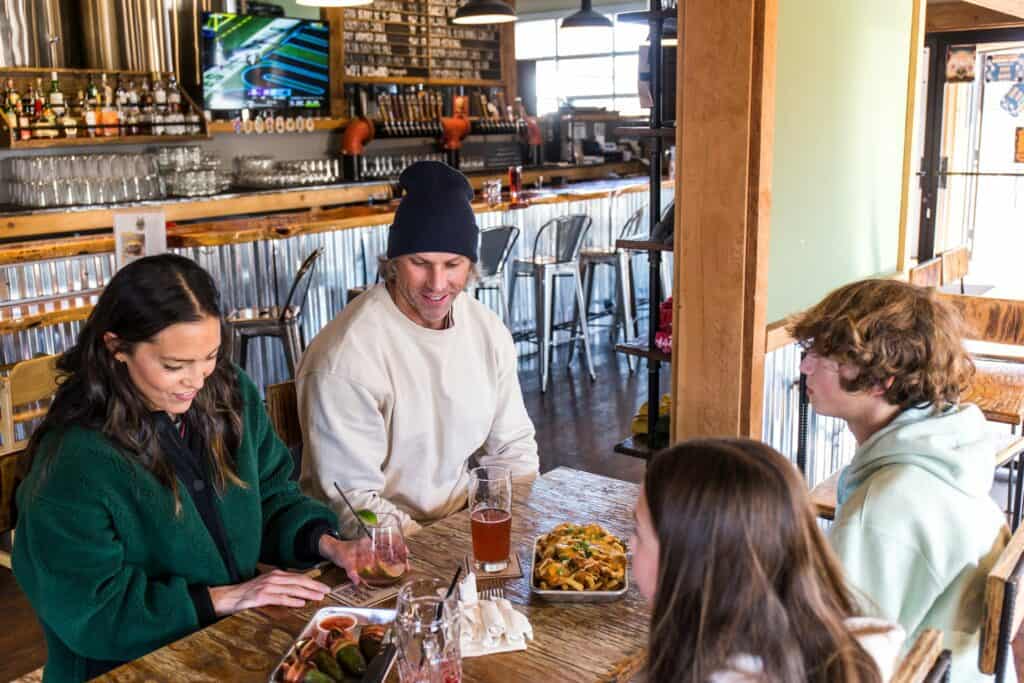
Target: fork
(492, 592)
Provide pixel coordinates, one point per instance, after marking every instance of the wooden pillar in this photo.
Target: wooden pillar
(911, 162)
(726, 119)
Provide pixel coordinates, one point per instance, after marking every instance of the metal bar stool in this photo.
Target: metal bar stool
(282, 322)
(590, 259)
(495, 249)
(545, 266)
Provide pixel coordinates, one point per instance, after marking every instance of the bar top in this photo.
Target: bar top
(284, 225)
(42, 223)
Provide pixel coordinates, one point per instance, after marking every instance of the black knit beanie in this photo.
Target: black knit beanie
(435, 214)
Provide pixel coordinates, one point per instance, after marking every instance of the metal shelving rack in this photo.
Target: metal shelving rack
(659, 17)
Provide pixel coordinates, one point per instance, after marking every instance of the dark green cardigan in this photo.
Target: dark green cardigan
(106, 563)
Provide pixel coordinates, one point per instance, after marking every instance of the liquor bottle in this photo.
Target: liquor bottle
(106, 92)
(38, 98)
(27, 113)
(92, 94)
(132, 108)
(89, 117)
(120, 95)
(9, 114)
(108, 116)
(145, 109)
(13, 97)
(56, 98)
(38, 105)
(175, 115)
(69, 122)
(46, 125)
(173, 95)
(159, 105)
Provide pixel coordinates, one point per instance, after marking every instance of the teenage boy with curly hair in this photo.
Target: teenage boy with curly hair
(915, 527)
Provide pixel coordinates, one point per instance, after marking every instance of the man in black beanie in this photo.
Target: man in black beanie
(412, 379)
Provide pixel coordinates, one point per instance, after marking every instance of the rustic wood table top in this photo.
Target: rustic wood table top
(572, 641)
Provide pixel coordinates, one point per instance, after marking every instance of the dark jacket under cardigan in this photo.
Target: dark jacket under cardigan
(107, 564)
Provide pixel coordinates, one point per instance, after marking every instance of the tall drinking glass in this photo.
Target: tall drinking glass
(490, 517)
(427, 633)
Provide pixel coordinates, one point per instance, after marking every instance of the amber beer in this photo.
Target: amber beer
(490, 506)
(492, 533)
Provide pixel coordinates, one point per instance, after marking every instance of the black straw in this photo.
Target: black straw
(451, 589)
(354, 514)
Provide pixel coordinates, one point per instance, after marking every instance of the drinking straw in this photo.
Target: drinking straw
(354, 514)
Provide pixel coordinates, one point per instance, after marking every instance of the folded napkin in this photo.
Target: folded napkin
(490, 626)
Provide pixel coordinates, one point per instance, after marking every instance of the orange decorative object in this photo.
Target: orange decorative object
(456, 127)
(357, 133)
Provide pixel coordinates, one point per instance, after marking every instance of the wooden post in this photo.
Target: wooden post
(911, 163)
(726, 121)
(336, 18)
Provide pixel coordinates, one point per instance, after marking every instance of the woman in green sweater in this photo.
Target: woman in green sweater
(157, 483)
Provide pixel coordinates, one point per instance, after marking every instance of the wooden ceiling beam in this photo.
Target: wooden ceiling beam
(960, 15)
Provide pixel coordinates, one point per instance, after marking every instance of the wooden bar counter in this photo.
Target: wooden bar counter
(572, 641)
(27, 224)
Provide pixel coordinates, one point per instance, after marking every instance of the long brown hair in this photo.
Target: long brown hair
(891, 330)
(744, 570)
(96, 392)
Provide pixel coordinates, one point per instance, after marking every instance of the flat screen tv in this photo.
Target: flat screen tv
(255, 62)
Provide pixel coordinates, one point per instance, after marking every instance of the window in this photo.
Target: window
(587, 67)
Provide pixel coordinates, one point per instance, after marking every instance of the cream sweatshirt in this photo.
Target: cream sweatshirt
(392, 411)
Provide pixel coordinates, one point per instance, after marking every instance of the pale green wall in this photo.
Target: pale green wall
(840, 113)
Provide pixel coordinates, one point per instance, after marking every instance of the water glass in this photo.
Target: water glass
(427, 633)
(490, 517)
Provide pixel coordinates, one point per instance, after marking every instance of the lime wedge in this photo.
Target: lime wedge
(368, 516)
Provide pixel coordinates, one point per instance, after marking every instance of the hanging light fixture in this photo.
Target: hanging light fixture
(586, 18)
(333, 3)
(484, 12)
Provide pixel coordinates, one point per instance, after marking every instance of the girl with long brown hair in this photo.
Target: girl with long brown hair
(157, 483)
(743, 585)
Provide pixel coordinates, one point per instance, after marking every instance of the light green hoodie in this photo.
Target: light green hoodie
(916, 530)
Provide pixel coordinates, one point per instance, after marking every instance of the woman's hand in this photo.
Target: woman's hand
(277, 587)
(349, 555)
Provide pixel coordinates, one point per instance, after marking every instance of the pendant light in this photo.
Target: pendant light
(586, 18)
(484, 12)
(333, 3)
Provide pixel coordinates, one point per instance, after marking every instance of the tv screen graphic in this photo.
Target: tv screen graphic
(253, 62)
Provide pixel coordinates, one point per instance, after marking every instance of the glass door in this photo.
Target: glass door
(972, 192)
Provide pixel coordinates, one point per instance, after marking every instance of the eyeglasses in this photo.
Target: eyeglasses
(814, 361)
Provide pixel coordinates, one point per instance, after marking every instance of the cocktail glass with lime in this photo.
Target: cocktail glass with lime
(388, 559)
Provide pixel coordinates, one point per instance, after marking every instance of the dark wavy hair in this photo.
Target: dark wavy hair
(95, 391)
(744, 569)
(891, 330)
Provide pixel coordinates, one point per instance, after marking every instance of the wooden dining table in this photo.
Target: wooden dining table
(572, 641)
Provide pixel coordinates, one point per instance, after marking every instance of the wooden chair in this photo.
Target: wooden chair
(927, 274)
(998, 385)
(925, 662)
(24, 396)
(283, 409)
(13, 470)
(954, 265)
(1002, 614)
